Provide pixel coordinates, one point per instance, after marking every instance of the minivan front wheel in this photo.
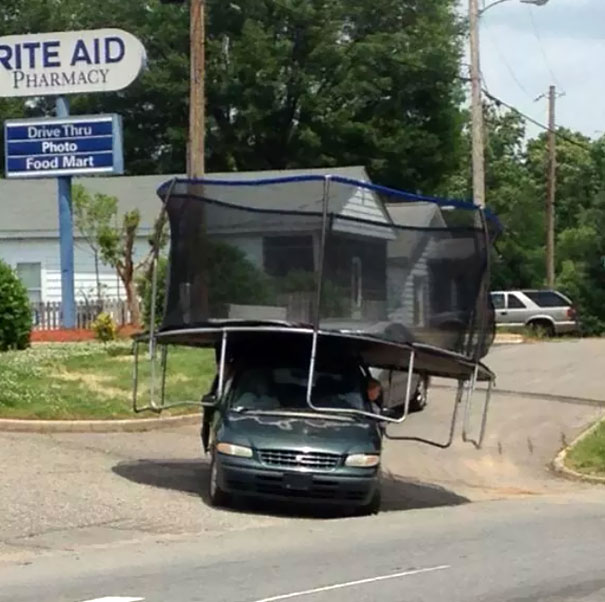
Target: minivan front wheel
(217, 496)
(374, 506)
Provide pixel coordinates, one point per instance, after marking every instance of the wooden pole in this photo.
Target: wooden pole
(476, 108)
(197, 92)
(551, 190)
(194, 296)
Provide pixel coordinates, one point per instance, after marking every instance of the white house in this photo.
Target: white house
(29, 235)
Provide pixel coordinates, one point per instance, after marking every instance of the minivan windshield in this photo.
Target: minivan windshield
(285, 388)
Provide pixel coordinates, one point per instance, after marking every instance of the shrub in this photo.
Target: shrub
(144, 291)
(232, 278)
(105, 328)
(15, 311)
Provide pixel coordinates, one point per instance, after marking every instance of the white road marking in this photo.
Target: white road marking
(328, 588)
(116, 599)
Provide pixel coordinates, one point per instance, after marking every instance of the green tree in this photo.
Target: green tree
(92, 216)
(512, 194)
(290, 83)
(578, 180)
(117, 248)
(232, 278)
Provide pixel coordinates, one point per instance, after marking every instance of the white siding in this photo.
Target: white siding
(400, 286)
(363, 205)
(47, 253)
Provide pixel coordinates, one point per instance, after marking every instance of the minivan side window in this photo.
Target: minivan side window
(515, 303)
(547, 299)
(498, 300)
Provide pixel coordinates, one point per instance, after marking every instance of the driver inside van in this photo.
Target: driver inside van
(374, 394)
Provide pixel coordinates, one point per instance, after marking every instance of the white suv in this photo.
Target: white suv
(546, 310)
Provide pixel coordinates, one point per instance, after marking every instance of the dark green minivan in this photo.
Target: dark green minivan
(266, 441)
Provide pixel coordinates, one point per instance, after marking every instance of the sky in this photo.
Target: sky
(525, 49)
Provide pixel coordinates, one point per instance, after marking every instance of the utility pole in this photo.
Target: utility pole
(551, 190)
(476, 108)
(197, 92)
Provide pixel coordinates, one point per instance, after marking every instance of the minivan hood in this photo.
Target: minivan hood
(300, 433)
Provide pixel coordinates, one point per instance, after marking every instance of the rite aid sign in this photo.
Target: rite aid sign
(74, 62)
(64, 146)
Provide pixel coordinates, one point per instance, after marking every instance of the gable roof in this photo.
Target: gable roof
(418, 217)
(30, 206)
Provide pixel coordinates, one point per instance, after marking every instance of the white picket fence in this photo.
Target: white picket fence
(47, 316)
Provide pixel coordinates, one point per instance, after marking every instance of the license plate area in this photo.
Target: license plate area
(298, 481)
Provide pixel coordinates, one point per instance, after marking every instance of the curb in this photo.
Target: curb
(558, 463)
(509, 339)
(96, 426)
(585, 401)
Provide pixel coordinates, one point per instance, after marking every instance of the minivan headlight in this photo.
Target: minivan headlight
(362, 460)
(230, 449)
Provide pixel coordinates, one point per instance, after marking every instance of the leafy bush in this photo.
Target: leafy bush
(232, 278)
(335, 300)
(105, 328)
(15, 312)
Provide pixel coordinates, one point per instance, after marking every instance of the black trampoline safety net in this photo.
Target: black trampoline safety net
(330, 253)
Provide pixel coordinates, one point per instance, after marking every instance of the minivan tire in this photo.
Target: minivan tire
(374, 506)
(216, 495)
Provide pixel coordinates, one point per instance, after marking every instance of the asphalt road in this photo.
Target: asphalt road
(87, 516)
(521, 550)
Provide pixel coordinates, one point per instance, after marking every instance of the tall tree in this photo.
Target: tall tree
(291, 83)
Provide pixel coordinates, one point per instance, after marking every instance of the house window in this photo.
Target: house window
(30, 275)
(356, 283)
(285, 254)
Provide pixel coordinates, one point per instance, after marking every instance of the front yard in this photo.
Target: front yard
(92, 380)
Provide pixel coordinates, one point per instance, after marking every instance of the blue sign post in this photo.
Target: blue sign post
(66, 237)
(64, 147)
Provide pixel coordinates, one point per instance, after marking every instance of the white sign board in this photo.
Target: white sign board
(75, 62)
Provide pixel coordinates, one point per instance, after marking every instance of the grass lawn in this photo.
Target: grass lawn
(588, 456)
(91, 380)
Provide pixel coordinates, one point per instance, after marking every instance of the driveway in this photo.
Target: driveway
(63, 492)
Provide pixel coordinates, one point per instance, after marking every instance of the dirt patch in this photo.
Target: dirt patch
(94, 382)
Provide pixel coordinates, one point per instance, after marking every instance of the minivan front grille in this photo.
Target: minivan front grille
(287, 458)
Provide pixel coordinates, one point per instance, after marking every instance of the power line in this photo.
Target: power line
(539, 39)
(507, 65)
(543, 126)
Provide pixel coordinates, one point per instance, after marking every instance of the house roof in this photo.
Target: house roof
(417, 216)
(30, 206)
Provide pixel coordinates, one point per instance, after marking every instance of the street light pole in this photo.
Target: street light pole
(477, 126)
(476, 109)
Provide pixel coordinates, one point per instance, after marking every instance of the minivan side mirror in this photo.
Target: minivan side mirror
(209, 400)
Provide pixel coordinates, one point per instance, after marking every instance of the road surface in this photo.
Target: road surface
(91, 516)
(521, 550)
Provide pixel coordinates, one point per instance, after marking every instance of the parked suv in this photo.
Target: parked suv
(546, 310)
